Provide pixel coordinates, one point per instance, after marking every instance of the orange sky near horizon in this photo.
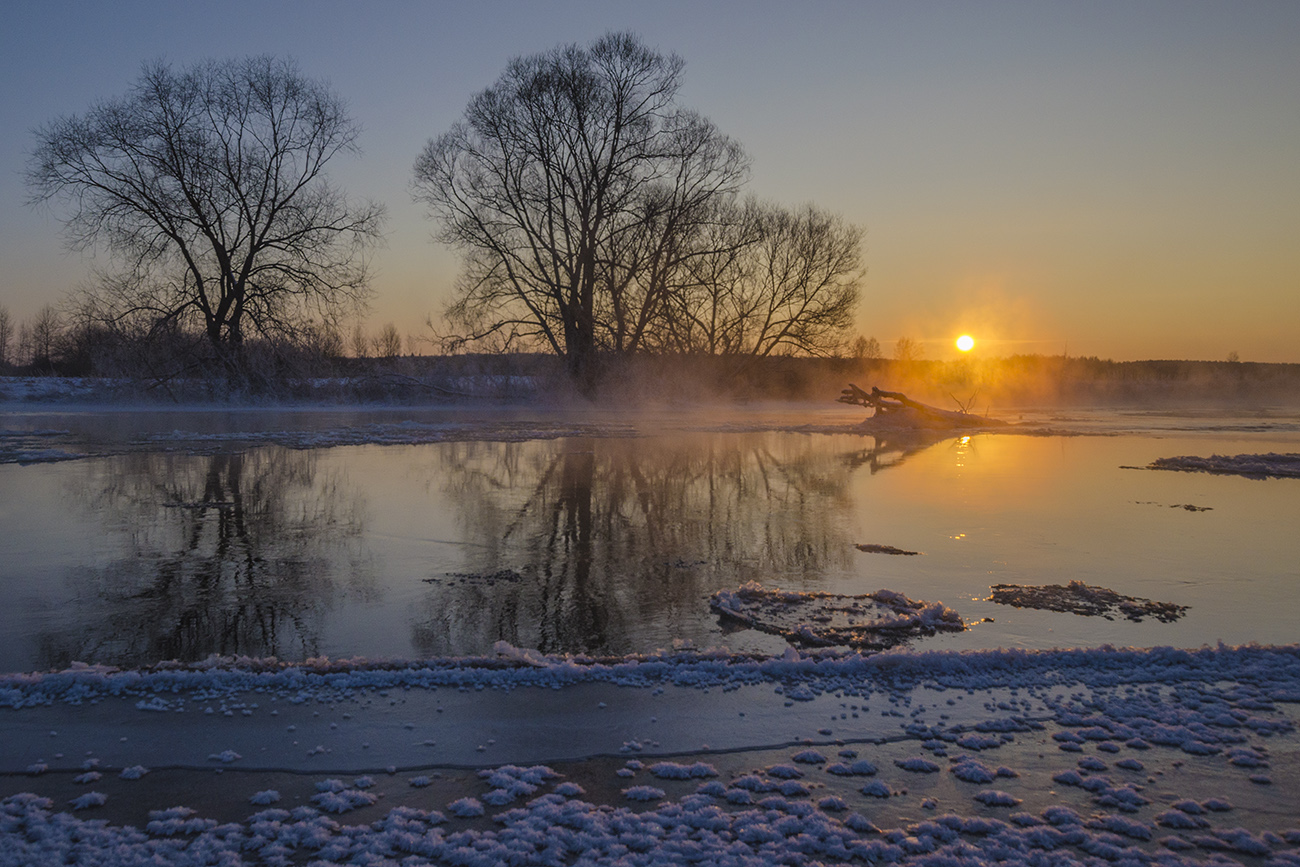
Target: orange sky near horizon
(1107, 179)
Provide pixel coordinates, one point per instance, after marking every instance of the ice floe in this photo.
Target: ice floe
(1262, 466)
(815, 619)
(1089, 601)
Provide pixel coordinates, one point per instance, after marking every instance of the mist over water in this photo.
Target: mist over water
(610, 535)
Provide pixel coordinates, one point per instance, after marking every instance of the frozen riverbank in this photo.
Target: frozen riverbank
(1110, 754)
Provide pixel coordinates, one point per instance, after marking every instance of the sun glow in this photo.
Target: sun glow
(965, 343)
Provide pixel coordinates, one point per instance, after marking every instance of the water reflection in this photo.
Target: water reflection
(233, 554)
(575, 542)
(615, 545)
(888, 452)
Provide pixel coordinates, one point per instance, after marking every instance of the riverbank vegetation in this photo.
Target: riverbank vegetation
(112, 366)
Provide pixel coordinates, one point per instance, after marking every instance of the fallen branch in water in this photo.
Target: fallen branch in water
(895, 410)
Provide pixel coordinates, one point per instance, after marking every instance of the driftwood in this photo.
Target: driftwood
(895, 410)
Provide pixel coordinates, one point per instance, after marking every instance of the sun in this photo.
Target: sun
(965, 343)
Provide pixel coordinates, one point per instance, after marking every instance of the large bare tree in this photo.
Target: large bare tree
(572, 185)
(207, 185)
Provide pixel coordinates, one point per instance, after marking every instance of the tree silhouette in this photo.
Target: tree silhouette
(572, 185)
(208, 187)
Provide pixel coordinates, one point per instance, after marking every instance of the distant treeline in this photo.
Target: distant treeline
(985, 384)
(1047, 380)
(325, 371)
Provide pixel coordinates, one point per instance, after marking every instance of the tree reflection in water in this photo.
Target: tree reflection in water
(889, 452)
(576, 541)
(231, 554)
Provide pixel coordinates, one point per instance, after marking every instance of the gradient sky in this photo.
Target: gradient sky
(1119, 179)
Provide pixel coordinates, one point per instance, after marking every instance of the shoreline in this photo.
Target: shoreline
(1119, 737)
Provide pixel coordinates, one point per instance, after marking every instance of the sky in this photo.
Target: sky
(1111, 179)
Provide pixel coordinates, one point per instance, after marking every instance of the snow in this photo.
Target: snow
(343, 800)
(876, 789)
(972, 771)
(861, 767)
(996, 798)
(465, 808)
(1161, 702)
(809, 757)
(676, 771)
(88, 800)
(58, 388)
(643, 793)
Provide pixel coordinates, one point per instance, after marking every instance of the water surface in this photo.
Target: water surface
(182, 535)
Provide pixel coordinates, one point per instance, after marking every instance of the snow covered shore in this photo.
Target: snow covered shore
(1084, 756)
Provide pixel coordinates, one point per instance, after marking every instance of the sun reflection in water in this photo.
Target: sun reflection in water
(963, 447)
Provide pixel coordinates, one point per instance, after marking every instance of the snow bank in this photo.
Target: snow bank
(61, 389)
(1262, 674)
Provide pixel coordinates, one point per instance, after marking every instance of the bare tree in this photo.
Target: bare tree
(324, 341)
(388, 342)
(46, 330)
(865, 348)
(6, 335)
(23, 351)
(908, 350)
(360, 342)
(569, 186)
(772, 280)
(207, 185)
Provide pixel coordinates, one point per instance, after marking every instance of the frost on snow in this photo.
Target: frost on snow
(643, 793)
(972, 771)
(90, 799)
(465, 808)
(861, 767)
(675, 771)
(809, 757)
(918, 764)
(343, 801)
(813, 619)
(225, 756)
(996, 798)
